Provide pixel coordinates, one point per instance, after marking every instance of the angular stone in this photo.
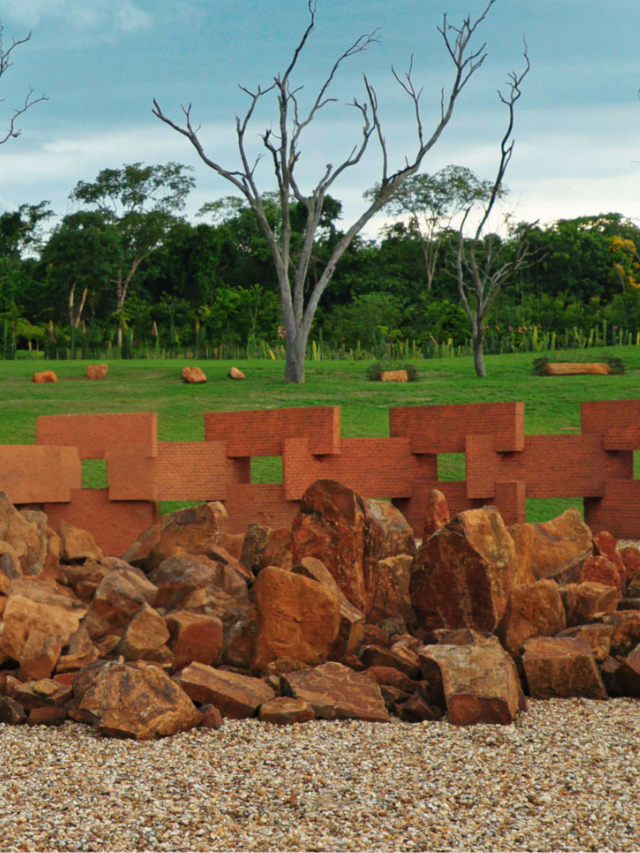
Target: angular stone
(389, 590)
(83, 578)
(284, 711)
(255, 541)
(387, 532)
(97, 371)
(605, 545)
(377, 656)
(479, 683)
(582, 601)
(237, 696)
(11, 713)
(558, 547)
(630, 555)
(77, 545)
(297, 617)
(601, 570)
(533, 610)
(625, 633)
(80, 651)
(277, 549)
(121, 594)
(281, 665)
(144, 635)
(194, 637)
(391, 677)
(463, 574)
(23, 536)
(236, 373)
(43, 693)
(47, 716)
(597, 635)
(136, 700)
(436, 513)
(193, 375)
(561, 668)
(331, 527)
(394, 376)
(211, 718)
(335, 692)
(418, 710)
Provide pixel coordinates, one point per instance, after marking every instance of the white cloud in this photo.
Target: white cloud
(122, 15)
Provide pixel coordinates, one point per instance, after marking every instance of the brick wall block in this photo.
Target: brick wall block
(32, 474)
(91, 434)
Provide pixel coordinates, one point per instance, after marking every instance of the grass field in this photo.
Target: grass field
(552, 404)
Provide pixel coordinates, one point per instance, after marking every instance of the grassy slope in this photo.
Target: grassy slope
(552, 404)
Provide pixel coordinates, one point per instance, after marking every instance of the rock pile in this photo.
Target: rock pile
(342, 616)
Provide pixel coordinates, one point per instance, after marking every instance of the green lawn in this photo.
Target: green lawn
(552, 404)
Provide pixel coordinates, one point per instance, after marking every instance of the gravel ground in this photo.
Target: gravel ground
(565, 776)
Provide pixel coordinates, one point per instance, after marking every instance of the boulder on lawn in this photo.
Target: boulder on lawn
(97, 371)
(582, 601)
(463, 574)
(193, 375)
(556, 549)
(331, 527)
(336, 692)
(131, 700)
(43, 377)
(236, 373)
(236, 696)
(194, 637)
(561, 667)
(298, 617)
(533, 610)
(477, 682)
(436, 513)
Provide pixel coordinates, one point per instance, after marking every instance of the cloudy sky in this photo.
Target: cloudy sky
(100, 63)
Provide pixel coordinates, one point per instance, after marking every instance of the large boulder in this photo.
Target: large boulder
(389, 590)
(194, 637)
(297, 618)
(331, 527)
(235, 695)
(556, 548)
(463, 574)
(24, 535)
(533, 610)
(335, 692)
(596, 634)
(561, 667)
(599, 569)
(478, 682)
(77, 544)
(145, 636)
(193, 375)
(121, 594)
(436, 513)
(582, 601)
(97, 371)
(136, 700)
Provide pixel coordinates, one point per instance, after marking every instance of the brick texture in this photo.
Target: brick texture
(32, 474)
(91, 434)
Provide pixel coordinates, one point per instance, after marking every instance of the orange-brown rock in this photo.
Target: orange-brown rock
(42, 693)
(237, 696)
(34, 634)
(560, 667)
(336, 692)
(463, 574)
(298, 617)
(389, 590)
(97, 371)
(23, 537)
(279, 666)
(144, 635)
(79, 651)
(11, 713)
(631, 558)
(277, 548)
(43, 377)
(568, 368)
(331, 527)
(77, 544)
(387, 532)
(597, 635)
(391, 677)
(478, 683)
(605, 545)
(236, 373)
(211, 718)
(83, 578)
(121, 594)
(436, 513)
(404, 660)
(557, 548)
(135, 699)
(601, 570)
(284, 711)
(194, 637)
(47, 717)
(625, 634)
(582, 601)
(193, 375)
(533, 610)
(352, 621)
(628, 674)
(394, 376)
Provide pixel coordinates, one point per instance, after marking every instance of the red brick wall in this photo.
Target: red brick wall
(503, 467)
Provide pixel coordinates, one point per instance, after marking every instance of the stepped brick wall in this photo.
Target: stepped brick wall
(503, 465)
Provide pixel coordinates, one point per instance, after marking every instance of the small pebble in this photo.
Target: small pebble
(562, 777)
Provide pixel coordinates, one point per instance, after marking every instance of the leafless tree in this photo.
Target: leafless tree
(298, 299)
(484, 266)
(6, 53)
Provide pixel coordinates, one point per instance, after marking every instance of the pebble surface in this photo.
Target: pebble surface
(565, 776)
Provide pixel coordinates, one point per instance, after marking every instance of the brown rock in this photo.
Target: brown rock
(97, 371)
(394, 376)
(605, 545)
(352, 622)
(193, 375)
(277, 549)
(391, 677)
(436, 513)
(558, 547)
(279, 666)
(42, 377)
(628, 674)
(83, 578)
(121, 594)
(331, 527)
(335, 692)
(284, 711)
(625, 634)
(534, 610)
(561, 668)
(418, 710)
(135, 700)
(389, 590)
(375, 635)
(80, 651)
(584, 600)
(47, 717)
(43, 693)
(463, 574)
(211, 718)
(297, 617)
(405, 661)
(630, 555)
(236, 373)
(252, 555)
(77, 545)
(194, 637)
(597, 635)
(22, 538)
(144, 635)
(11, 713)
(567, 368)
(601, 570)
(237, 696)
(479, 683)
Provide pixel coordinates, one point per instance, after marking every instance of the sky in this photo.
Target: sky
(101, 62)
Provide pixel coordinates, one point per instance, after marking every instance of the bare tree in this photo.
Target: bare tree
(484, 265)
(12, 130)
(298, 299)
